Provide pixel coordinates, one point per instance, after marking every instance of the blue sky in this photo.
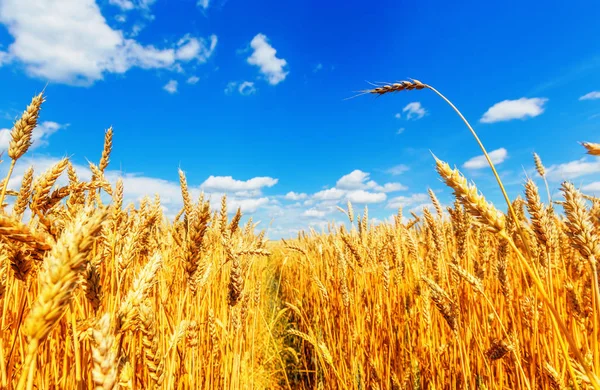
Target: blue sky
(249, 98)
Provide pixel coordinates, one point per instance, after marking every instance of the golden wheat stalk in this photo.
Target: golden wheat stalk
(417, 85)
(21, 137)
(58, 278)
(470, 198)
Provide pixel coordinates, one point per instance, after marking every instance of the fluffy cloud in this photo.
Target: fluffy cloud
(354, 180)
(572, 169)
(245, 88)
(190, 48)
(295, 196)
(125, 5)
(313, 213)
(69, 41)
(357, 188)
(228, 183)
(171, 86)
(414, 110)
(514, 109)
(230, 87)
(203, 3)
(128, 5)
(407, 201)
(330, 194)
(398, 115)
(591, 96)
(193, 80)
(592, 187)
(357, 180)
(264, 56)
(39, 136)
(497, 156)
(361, 196)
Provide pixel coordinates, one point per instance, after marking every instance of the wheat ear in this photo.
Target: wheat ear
(21, 137)
(104, 354)
(58, 278)
(417, 85)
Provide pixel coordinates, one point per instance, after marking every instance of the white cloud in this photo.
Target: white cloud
(397, 170)
(591, 96)
(171, 86)
(407, 201)
(400, 131)
(361, 196)
(39, 136)
(514, 109)
(295, 196)
(228, 183)
(398, 115)
(330, 194)
(136, 29)
(69, 41)
(592, 187)
(248, 193)
(318, 67)
(359, 180)
(246, 88)
(125, 5)
(353, 180)
(414, 110)
(129, 5)
(121, 18)
(193, 80)
(203, 3)
(264, 56)
(230, 87)
(189, 48)
(314, 213)
(572, 169)
(497, 156)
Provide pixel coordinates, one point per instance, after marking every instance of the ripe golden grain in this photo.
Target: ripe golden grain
(98, 297)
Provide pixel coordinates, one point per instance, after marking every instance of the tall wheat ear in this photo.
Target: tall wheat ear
(476, 208)
(58, 278)
(21, 137)
(384, 88)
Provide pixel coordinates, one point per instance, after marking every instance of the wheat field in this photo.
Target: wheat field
(98, 294)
